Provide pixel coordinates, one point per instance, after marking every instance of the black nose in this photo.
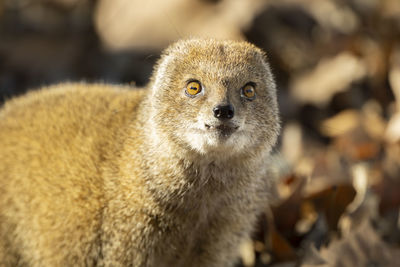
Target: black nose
(223, 112)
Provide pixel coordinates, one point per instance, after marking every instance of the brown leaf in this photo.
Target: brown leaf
(362, 247)
(281, 248)
(332, 202)
(122, 25)
(388, 192)
(330, 76)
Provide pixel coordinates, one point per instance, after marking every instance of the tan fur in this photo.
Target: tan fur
(102, 175)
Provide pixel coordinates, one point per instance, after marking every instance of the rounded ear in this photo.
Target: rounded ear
(164, 68)
(162, 73)
(265, 62)
(264, 57)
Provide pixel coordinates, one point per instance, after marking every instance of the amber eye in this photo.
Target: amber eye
(249, 91)
(193, 88)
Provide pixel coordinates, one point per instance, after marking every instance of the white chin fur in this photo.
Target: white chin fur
(205, 142)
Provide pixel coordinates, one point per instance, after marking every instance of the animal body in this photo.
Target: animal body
(174, 174)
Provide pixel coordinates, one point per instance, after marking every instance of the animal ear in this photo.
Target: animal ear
(265, 62)
(263, 55)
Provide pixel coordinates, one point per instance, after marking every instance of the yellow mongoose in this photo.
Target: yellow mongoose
(171, 175)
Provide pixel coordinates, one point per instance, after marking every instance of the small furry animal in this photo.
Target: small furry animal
(171, 175)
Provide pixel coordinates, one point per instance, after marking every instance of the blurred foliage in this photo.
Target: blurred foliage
(337, 64)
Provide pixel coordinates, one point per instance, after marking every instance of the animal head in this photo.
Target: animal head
(215, 96)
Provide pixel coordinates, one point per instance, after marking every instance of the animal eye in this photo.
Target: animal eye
(248, 91)
(193, 88)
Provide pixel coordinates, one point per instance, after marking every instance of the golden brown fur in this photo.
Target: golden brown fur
(101, 175)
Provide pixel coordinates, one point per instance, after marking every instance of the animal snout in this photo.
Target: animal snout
(224, 112)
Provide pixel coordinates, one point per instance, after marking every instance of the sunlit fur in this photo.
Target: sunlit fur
(103, 175)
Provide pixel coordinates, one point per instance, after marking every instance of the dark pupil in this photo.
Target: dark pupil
(248, 91)
(193, 88)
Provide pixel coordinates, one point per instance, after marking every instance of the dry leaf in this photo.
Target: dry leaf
(365, 204)
(332, 202)
(281, 248)
(388, 192)
(392, 134)
(330, 14)
(122, 25)
(391, 8)
(313, 258)
(361, 247)
(330, 76)
(373, 121)
(341, 123)
(247, 253)
(292, 143)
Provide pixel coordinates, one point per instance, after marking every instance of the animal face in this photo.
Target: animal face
(215, 96)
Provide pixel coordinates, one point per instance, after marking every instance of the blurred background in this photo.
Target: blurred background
(337, 64)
